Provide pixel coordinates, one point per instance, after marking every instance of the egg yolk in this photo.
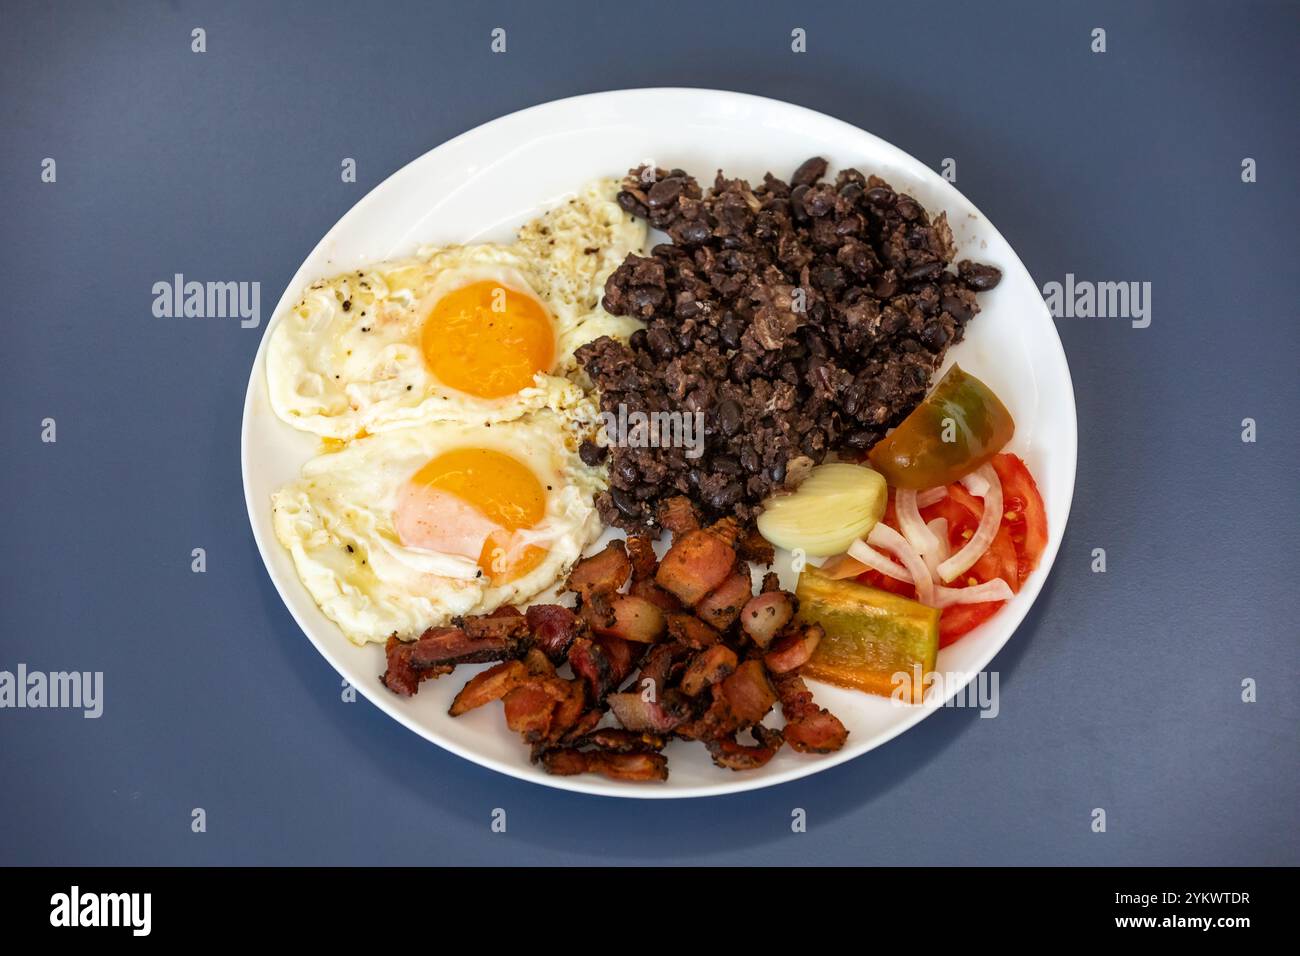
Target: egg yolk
(488, 340)
(470, 502)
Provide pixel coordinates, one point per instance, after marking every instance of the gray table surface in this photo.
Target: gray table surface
(1122, 690)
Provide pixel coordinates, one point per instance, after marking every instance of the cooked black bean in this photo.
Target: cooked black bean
(809, 172)
(799, 318)
(591, 453)
(977, 276)
(730, 417)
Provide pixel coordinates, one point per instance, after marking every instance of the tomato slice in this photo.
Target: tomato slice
(1024, 513)
(961, 619)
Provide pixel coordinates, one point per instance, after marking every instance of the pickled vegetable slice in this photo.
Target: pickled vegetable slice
(959, 426)
(871, 636)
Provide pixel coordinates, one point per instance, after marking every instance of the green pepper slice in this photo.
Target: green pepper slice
(959, 426)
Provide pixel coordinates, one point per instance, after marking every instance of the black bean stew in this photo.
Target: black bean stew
(798, 318)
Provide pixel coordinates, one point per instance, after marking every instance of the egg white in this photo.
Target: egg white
(347, 359)
(336, 521)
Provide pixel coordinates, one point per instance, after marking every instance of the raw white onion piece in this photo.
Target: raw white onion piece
(931, 496)
(939, 528)
(869, 557)
(995, 590)
(974, 549)
(913, 528)
(883, 536)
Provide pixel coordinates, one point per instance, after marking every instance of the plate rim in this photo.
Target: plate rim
(590, 784)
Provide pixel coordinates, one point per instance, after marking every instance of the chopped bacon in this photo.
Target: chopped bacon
(553, 627)
(765, 615)
(808, 728)
(709, 667)
(722, 605)
(585, 724)
(602, 573)
(603, 662)
(619, 740)
(792, 649)
(730, 753)
(402, 677)
(635, 619)
(641, 552)
(623, 656)
(754, 547)
(748, 693)
(691, 631)
(530, 706)
(658, 716)
(771, 582)
(597, 610)
(696, 564)
(617, 766)
(657, 666)
(655, 595)
(489, 685)
(728, 530)
(678, 515)
(544, 708)
(454, 645)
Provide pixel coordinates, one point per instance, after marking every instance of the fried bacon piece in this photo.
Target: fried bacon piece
(808, 728)
(402, 677)
(655, 595)
(792, 649)
(678, 515)
(748, 693)
(658, 665)
(765, 615)
(499, 639)
(585, 724)
(641, 552)
(754, 547)
(489, 685)
(619, 740)
(732, 754)
(636, 766)
(603, 662)
(602, 573)
(553, 627)
(722, 605)
(634, 619)
(505, 622)
(543, 708)
(697, 563)
(728, 530)
(691, 631)
(771, 582)
(740, 701)
(714, 664)
(658, 716)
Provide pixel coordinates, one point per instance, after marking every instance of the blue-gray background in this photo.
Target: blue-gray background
(1122, 690)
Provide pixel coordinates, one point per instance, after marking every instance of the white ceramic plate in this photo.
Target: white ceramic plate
(482, 186)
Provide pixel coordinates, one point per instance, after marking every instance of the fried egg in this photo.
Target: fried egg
(404, 530)
(478, 333)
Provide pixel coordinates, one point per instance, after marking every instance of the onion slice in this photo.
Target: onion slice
(939, 528)
(869, 557)
(974, 549)
(914, 529)
(976, 483)
(931, 496)
(883, 536)
(994, 590)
